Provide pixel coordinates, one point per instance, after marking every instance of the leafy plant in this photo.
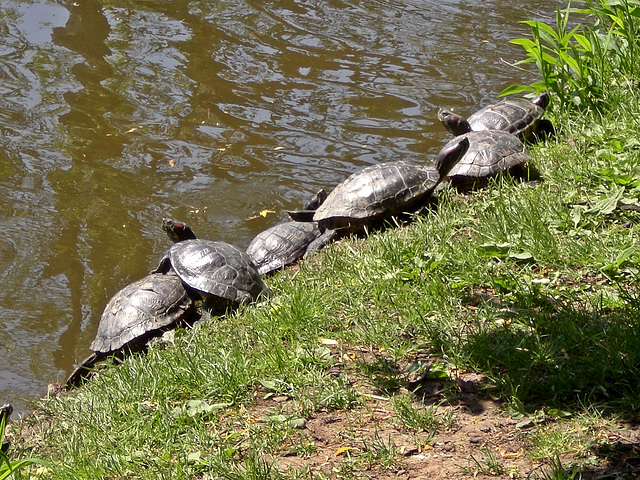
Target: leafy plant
(620, 18)
(9, 467)
(577, 63)
(384, 453)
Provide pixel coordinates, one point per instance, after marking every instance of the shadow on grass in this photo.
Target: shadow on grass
(558, 353)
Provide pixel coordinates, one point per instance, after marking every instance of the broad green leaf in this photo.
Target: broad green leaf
(624, 255)
(550, 40)
(584, 42)
(556, 412)
(16, 465)
(438, 370)
(543, 28)
(200, 407)
(269, 385)
(293, 421)
(607, 204)
(505, 284)
(194, 457)
(549, 59)
(515, 89)
(525, 42)
(522, 256)
(569, 61)
(495, 249)
(195, 408)
(316, 355)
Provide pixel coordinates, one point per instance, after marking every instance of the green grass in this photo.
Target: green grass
(9, 466)
(584, 53)
(485, 463)
(415, 417)
(511, 282)
(534, 286)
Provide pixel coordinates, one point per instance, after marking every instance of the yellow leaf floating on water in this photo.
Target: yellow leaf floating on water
(172, 162)
(262, 213)
(278, 148)
(132, 130)
(343, 450)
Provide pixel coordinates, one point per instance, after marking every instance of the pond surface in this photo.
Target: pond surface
(116, 114)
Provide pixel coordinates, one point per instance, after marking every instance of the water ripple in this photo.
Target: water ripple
(114, 116)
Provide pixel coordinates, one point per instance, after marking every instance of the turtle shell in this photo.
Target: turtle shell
(216, 269)
(518, 116)
(281, 245)
(490, 153)
(140, 309)
(377, 191)
(384, 190)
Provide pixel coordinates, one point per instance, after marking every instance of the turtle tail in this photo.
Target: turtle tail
(302, 215)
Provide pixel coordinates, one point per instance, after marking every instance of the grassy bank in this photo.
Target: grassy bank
(514, 309)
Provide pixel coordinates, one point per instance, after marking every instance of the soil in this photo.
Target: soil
(475, 437)
(480, 440)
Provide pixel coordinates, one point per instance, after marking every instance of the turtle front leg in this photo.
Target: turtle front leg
(545, 129)
(319, 243)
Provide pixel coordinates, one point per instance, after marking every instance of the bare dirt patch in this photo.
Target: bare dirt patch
(478, 440)
(474, 437)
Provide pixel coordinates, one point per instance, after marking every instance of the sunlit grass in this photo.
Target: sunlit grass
(418, 418)
(532, 285)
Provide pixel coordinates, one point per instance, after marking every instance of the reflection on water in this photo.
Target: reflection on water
(114, 116)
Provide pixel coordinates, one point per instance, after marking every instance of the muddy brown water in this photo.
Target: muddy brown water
(114, 115)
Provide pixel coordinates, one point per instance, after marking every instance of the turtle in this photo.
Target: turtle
(142, 309)
(379, 192)
(490, 153)
(223, 275)
(286, 242)
(518, 116)
(5, 412)
(282, 244)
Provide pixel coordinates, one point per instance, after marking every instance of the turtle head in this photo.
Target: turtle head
(450, 154)
(542, 100)
(177, 231)
(456, 124)
(314, 202)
